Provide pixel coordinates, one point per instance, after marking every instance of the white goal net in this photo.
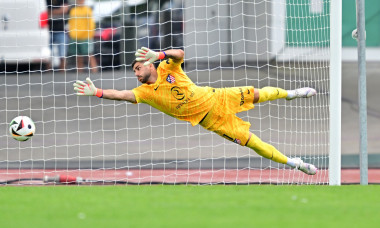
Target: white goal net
(280, 43)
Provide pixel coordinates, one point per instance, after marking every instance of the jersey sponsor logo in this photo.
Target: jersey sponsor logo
(177, 93)
(170, 79)
(185, 101)
(156, 88)
(241, 96)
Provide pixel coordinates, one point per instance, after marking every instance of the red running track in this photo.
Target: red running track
(271, 176)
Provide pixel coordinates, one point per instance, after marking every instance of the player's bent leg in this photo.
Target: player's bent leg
(270, 152)
(266, 150)
(271, 93)
(305, 92)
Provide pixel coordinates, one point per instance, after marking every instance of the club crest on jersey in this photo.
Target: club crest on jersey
(238, 141)
(170, 79)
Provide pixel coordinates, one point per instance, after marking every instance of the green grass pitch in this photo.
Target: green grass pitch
(190, 206)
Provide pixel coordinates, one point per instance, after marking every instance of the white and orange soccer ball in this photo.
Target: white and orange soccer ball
(22, 128)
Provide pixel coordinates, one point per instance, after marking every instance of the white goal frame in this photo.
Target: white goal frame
(335, 91)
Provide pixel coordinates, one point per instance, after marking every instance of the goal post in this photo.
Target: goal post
(78, 139)
(335, 92)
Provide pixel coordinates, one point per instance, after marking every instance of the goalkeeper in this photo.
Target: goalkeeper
(169, 90)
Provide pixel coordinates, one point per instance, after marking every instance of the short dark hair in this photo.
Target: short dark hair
(133, 63)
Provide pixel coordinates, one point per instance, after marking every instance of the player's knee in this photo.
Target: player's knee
(256, 144)
(256, 97)
(264, 95)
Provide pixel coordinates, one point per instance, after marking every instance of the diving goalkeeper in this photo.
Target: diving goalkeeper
(169, 90)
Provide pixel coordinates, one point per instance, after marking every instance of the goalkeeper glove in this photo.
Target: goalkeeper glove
(145, 54)
(87, 89)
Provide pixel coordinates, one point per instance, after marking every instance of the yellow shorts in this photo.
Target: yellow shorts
(222, 118)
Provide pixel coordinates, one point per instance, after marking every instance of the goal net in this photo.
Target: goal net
(281, 43)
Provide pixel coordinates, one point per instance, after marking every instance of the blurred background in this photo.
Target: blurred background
(123, 25)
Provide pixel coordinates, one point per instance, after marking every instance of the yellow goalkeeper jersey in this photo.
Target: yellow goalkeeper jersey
(175, 94)
(81, 23)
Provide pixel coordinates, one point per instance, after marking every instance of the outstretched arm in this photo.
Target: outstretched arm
(89, 89)
(145, 54)
(123, 95)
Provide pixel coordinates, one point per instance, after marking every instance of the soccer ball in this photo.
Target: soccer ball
(22, 128)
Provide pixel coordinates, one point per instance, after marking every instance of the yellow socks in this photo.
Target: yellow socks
(271, 93)
(266, 150)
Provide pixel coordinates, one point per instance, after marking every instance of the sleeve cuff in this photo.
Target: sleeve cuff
(161, 55)
(99, 93)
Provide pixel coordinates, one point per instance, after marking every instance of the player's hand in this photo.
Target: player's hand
(87, 89)
(145, 54)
